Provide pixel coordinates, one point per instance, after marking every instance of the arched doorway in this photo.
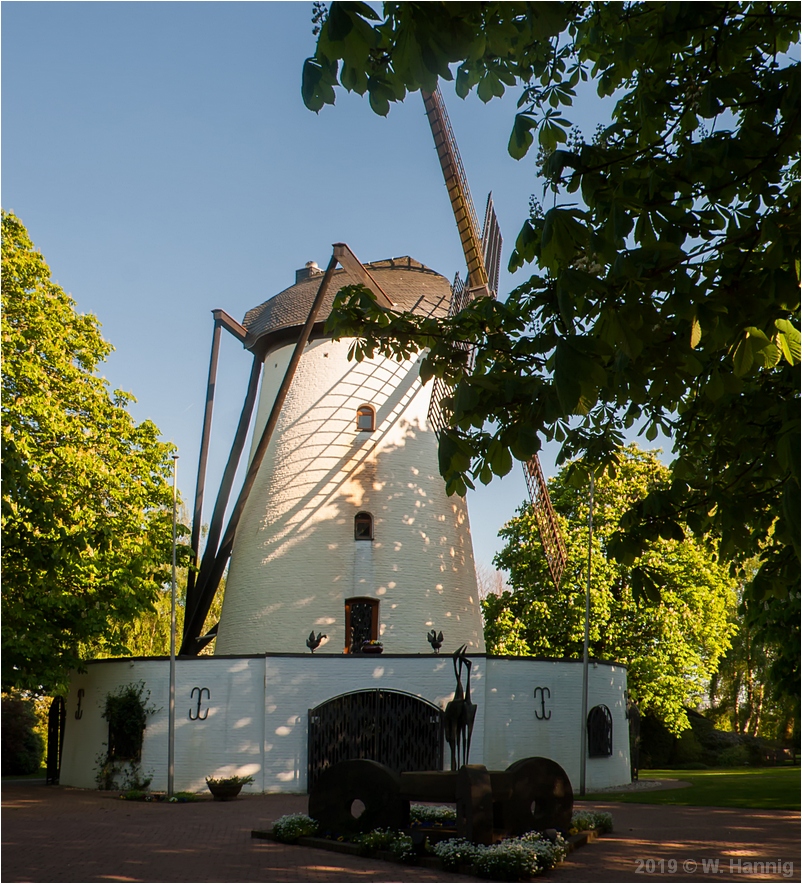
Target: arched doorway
(399, 730)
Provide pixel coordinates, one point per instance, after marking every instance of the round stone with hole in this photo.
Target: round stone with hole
(542, 797)
(356, 796)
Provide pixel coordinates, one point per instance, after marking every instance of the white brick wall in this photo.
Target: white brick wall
(256, 713)
(295, 559)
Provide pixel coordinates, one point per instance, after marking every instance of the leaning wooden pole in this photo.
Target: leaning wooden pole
(194, 600)
(200, 482)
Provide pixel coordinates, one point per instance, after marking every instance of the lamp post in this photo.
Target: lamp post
(171, 713)
(583, 740)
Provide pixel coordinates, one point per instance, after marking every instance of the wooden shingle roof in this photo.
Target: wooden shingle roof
(409, 284)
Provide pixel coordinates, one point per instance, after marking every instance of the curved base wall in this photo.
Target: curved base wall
(251, 719)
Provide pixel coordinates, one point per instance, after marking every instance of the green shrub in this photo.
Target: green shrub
(553, 851)
(23, 748)
(126, 711)
(402, 848)
(397, 843)
(436, 814)
(583, 820)
(455, 852)
(292, 826)
(229, 781)
(688, 748)
(656, 743)
(120, 774)
(510, 860)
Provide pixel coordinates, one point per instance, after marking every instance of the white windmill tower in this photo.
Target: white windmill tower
(347, 529)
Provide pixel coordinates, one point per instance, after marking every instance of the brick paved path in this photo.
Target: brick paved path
(61, 834)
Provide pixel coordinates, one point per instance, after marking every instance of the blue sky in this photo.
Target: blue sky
(164, 163)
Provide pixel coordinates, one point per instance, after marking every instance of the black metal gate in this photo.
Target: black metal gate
(56, 718)
(394, 728)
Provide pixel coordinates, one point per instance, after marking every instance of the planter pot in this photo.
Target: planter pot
(224, 791)
(372, 649)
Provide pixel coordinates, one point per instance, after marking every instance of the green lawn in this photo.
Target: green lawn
(767, 788)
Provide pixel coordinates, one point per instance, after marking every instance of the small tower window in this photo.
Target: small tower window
(365, 418)
(363, 526)
(361, 623)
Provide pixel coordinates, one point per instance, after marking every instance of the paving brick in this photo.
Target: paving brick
(60, 834)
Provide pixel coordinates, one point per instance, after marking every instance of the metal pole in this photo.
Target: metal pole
(171, 715)
(584, 730)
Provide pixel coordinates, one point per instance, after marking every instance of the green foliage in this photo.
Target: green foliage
(229, 781)
(23, 748)
(745, 695)
(148, 634)
(703, 746)
(455, 852)
(118, 773)
(87, 502)
(292, 826)
(670, 647)
(126, 710)
(512, 859)
(666, 285)
(397, 843)
(436, 814)
(583, 820)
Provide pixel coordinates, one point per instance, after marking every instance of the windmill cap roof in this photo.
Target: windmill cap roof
(411, 286)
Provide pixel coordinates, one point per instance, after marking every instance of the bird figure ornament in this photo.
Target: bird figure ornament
(435, 639)
(313, 643)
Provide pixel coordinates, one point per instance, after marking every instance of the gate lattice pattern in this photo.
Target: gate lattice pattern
(396, 729)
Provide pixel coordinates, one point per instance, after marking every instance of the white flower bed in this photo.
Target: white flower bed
(512, 859)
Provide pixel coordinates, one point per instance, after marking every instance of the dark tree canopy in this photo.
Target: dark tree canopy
(664, 292)
(87, 498)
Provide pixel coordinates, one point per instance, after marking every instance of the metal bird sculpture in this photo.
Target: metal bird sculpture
(313, 643)
(468, 713)
(454, 711)
(435, 639)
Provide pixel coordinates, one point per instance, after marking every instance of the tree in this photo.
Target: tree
(744, 695)
(87, 498)
(666, 289)
(671, 649)
(23, 747)
(148, 634)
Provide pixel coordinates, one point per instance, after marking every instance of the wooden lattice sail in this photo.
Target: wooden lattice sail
(550, 535)
(483, 257)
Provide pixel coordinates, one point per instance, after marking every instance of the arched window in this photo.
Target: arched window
(365, 418)
(600, 732)
(361, 623)
(363, 526)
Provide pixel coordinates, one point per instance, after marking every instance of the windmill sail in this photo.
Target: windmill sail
(458, 191)
(550, 535)
(491, 246)
(483, 257)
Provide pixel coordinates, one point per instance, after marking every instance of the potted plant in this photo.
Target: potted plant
(226, 788)
(372, 647)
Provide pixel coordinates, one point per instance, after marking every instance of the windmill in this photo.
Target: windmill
(483, 256)
(341, 486)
